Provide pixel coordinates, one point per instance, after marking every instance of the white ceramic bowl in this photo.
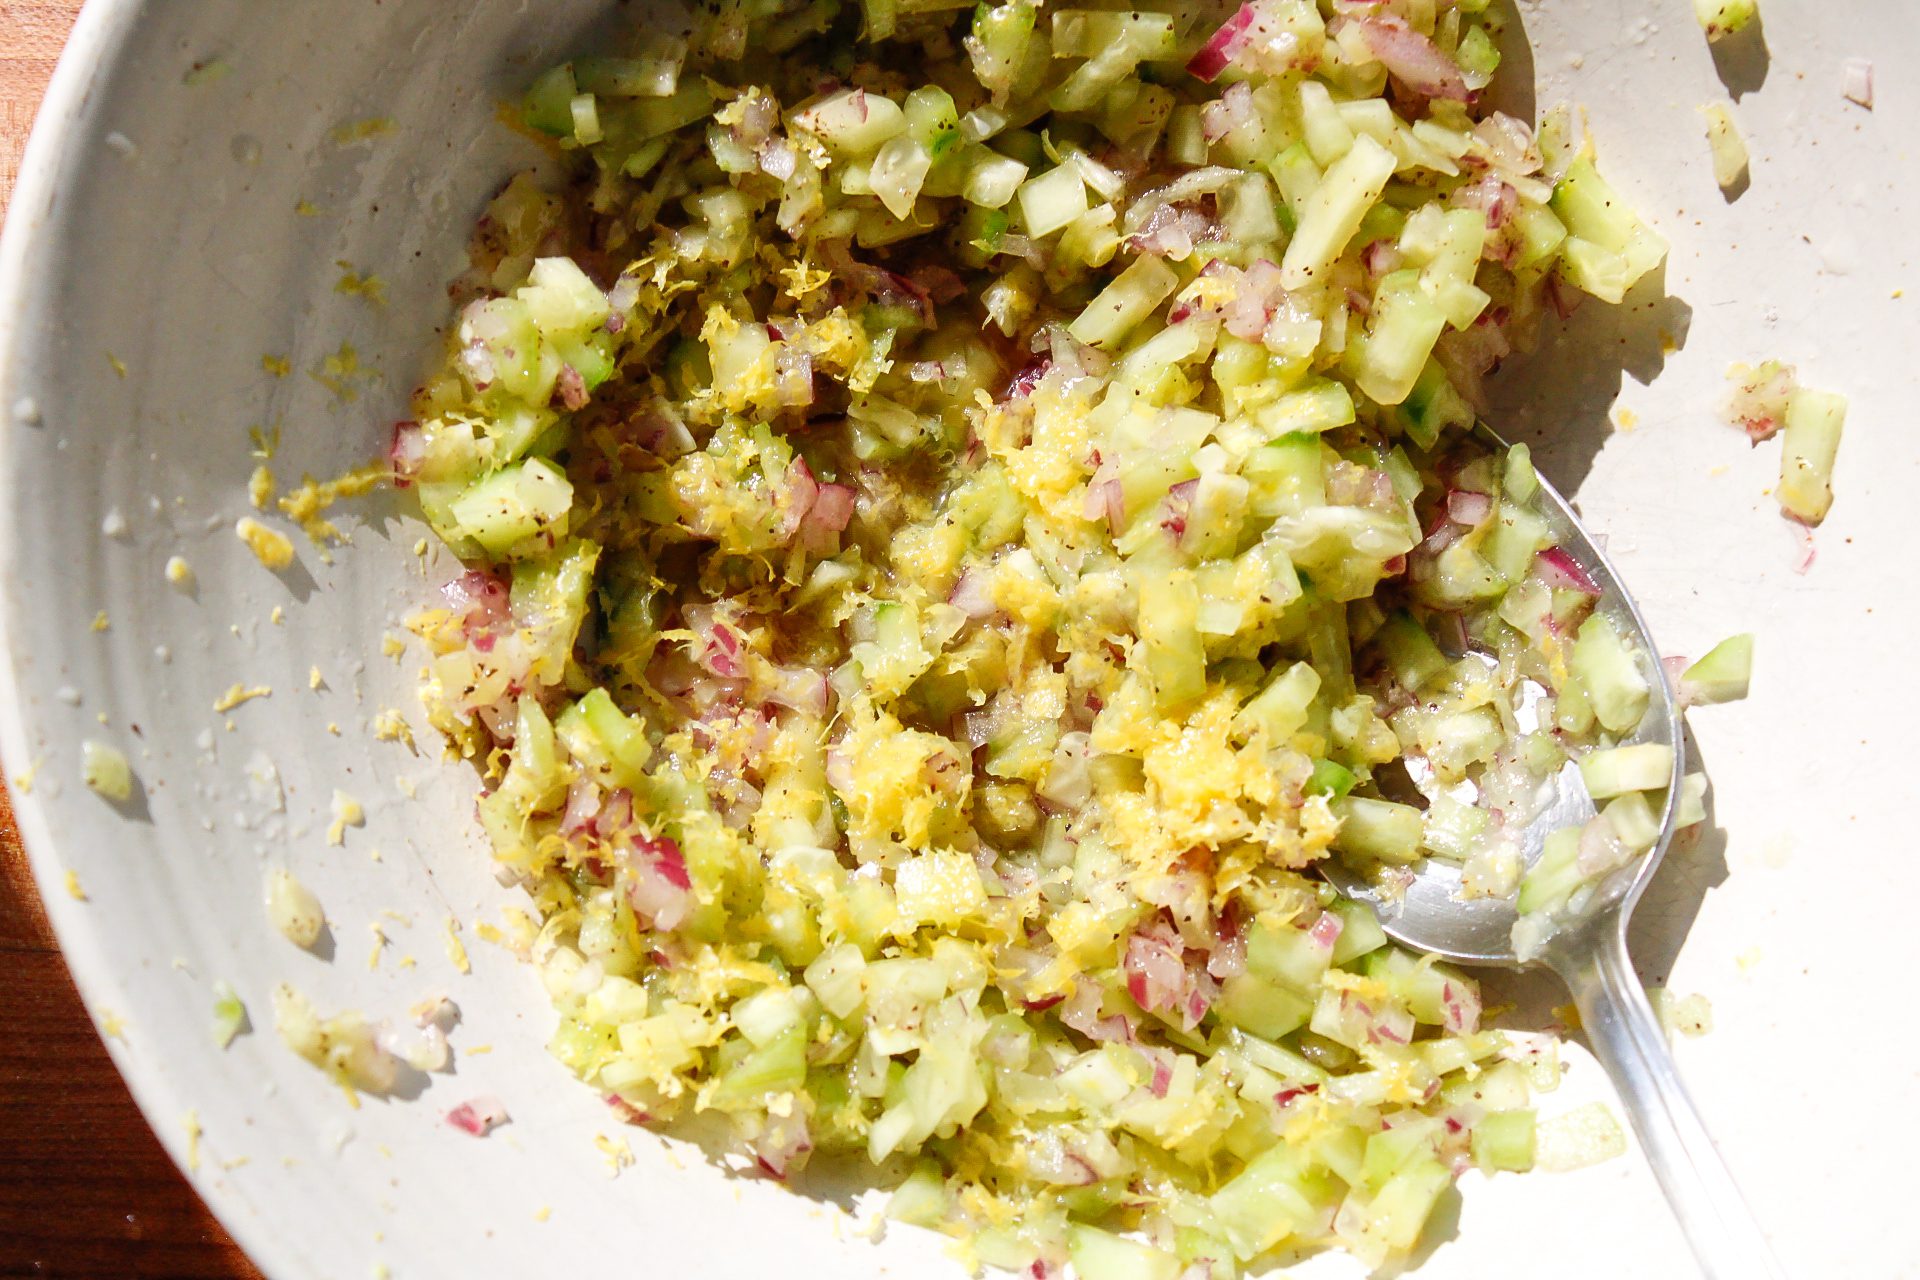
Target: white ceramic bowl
(155, 229)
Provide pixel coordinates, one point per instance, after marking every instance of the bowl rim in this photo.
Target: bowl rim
(30, 241)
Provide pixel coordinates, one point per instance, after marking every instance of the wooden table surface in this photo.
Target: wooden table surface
(85, 1190)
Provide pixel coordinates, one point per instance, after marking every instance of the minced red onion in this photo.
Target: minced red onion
(1509, 142)
(802, 688)
(570, 389)
(1857, 84)
(1081, 1011)
(616, 813)
(827, 517)
(479, 1116)
(422, 1046)
(661, 890)
(1413, 59)
(1179, 504)
(1230, 113)
(777, 159)
(793, 376)
(973, 594)
(1466, 507)
(406, 451)
(720, 650)
(1558, 569)
(1380, 257)
(1600, 850)
(1218, 52)
(801, 493)
(1807, 549)
(583, 806)
(784, 1145)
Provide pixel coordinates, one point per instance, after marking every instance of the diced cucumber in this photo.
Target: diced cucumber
(1262, 1007)
(1186, 136)
(1503, 1140)
(1331, 778)
(932, 119)
(1319, 404)
(1287, 476)
(1478, 55)
(604, 738)
(631, 123)
(548, 105)
(1808, 447)
(1722, 675)
(1633, 819)
(1101, 1255)
(1131, 297)
(1133, 37)
(1609, 249)
(1646, 766)
(1291, 957)
(1382, 830)
(1176, 659)
(1409, 1141)
(1610, 679)
(779, 1066)
(561, 300)
(1553, 877)
(1401, 329)
(1298, 177)
(502, 346)
(852, 122)
(892, 658)
(1051, 200)
(898, 172)
(998, 45)
(512, 506)
(1516, 537)
(654, 73)
(1460, 577)
(1281, 709)
(1452, 828)
(1280, 1193)
(1722, 18)
(1360, 931)
(1398, 1214)
(1693, 800)
(1216, 512)
(1147, 365)
(922, 1199)
(1540, 235)
(1412, 657)
(1434, 406)
(1344, 549)
(1086, 33)
(992, 179)
(1724, 144)
(1519, 481)
(1328, 136)
(1332, 213)
(586, 119)
(1248, 214)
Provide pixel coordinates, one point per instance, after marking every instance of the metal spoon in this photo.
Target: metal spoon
(1590, 953)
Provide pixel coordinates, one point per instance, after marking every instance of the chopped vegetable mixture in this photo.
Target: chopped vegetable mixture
(962, 514)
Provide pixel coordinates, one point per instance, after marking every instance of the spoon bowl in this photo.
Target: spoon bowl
(1430, 914)
(1589, 950)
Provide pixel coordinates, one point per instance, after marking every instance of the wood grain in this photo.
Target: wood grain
(86, 1193)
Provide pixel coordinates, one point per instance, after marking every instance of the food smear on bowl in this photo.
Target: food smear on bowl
(959, 515)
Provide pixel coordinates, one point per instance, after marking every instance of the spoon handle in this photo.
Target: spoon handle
(1630, 1044)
